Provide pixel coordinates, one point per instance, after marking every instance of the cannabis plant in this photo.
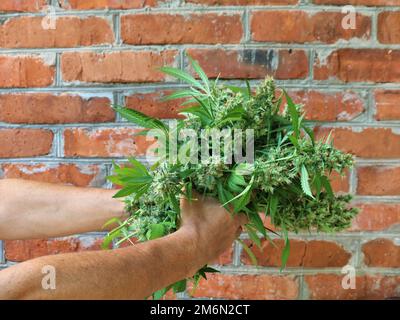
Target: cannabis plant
(286, 179)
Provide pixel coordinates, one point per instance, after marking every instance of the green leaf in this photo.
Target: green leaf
(273, 205)
(258, 223)
(209, 270)
(179, 286)
(294, 114)
(249, 252)
(253, 235)
(141, 119)
(126, 191)
(305, 185)
(246, 190)
(200, 73)
(160, 293)
(180, 94)
(327, 186)
(156, 231)
(183, 76)
(138, 165)
(286, 249)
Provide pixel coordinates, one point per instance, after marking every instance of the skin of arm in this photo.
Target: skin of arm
(34, 210)
(134, 272)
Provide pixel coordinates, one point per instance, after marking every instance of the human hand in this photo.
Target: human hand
(211, 226)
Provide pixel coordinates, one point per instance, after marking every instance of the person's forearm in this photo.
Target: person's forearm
(128, 273)
(30, 210)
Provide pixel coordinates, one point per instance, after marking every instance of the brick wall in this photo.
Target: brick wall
(56, 124)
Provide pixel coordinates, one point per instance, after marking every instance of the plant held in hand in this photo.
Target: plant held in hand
(286, 178)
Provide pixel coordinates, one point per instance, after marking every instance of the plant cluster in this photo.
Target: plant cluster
(288, 181)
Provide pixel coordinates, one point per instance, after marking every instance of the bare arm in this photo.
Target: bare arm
(30, 210)
(133, 272)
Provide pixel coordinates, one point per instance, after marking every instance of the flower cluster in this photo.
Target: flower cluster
(288, 180)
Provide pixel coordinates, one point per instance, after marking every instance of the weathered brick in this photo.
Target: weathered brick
(378, 181)
(269, 287)
(123, 66)
(339, 183)
(365, 143)
(389, 27)
(153, 105)
(242, 2)
(302, 26)
(107, 4)
(22, 6)
(359, 65)
(37, 108)
(81, 175)
(329, 106)
(359, 2)
(208, 28)
(252, 63)
(18, 143)
(28, 32)
(381, 253)
(120, 142)
(22, 250)
(308, 254)
(329, 286)
(376, 217)
(387, 104)
(25, 71)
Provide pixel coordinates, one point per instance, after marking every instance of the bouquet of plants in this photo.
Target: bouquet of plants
(284, 174)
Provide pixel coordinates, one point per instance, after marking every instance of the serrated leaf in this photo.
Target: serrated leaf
(200, 73)
(294, 114)
(141, 119)
(305, 185)
(182, 75)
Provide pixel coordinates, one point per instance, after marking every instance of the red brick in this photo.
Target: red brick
(308, 254)
(209, 28)
(340, 184)
(252, 63)
(119, 142)
(376, 217)
(225, 258)
(27, 32)
(123, 66)
(387, 104)
(152, 104)
(18, 143)
(327, 106)
(378, 181)
(381, 253)
(72, 174)
(22, 250)
(257, 287)
(242, 2)
(107, 4)
(25, 71)
(22, 6)
(329, 286)
(360, 65)
(389, 27)
(366, 143)
(359, 2)
(37, 108)
(301, 26)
